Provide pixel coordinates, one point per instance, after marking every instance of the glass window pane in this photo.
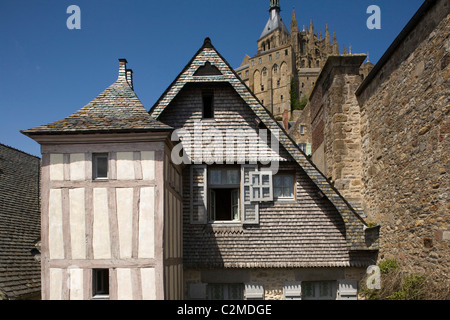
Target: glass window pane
(325, 289)
(308, 290)
(265, 179)
(256, 193)
(288, 181)
(287, 192)
(255, 179)
(215, 177)
(266, 192)
(235, 292)
(216, 292)
(277, 180)
(233, 176)
(277, 192)
(100, 165)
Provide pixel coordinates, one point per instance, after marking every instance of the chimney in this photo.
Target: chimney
(286, 119)
(122, 69)
(130, 77)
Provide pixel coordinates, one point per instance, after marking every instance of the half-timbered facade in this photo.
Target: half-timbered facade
(111, 202)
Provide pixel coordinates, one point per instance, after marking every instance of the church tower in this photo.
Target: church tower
(286, 64)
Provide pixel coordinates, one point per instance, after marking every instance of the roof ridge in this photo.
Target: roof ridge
(15, 149)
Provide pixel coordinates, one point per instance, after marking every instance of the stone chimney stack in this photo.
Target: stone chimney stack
(122, 70)
(130, 77)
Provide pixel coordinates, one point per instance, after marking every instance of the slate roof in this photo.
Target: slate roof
(275, 22)
(20, 272)
(358, 236)
(116, 109)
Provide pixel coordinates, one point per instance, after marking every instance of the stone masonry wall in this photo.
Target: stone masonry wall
(335, 123)
(405, 141)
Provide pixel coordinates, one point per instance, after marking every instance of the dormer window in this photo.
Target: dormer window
(208, 104)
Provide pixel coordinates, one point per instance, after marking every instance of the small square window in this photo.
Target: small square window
(283, 187)
(100, 283)
(100, 166)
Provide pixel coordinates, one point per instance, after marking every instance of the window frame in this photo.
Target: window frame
(225, 289)
(223, 184)
(95, 157)
(317, 288)
(102, 293)
(281, 175)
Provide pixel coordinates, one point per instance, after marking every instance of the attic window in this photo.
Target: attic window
(208, 104)
(207, 70)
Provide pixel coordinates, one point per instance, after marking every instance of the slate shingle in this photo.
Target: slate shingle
(20, 272)
(116, 109)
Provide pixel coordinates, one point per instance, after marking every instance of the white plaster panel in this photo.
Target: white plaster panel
(77, 167)
(148, 165)
(148, 281)
(76, 284)
(124, 197)
(56, 167)
(124, 286)
(55, 284)
(125, 166)
(77, 223)
(101, 238)
(146, 223)
(55, 225)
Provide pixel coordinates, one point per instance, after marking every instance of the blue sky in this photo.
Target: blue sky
(47, 71)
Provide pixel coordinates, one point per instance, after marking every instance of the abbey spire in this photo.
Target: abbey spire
(275, 22)
(274, 4)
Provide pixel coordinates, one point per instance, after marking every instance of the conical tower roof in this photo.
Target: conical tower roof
(116, 109)
(275, 22)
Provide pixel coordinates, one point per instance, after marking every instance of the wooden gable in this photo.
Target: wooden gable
(355, 226)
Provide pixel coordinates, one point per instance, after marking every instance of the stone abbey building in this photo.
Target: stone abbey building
(287, 63)
(382, 140)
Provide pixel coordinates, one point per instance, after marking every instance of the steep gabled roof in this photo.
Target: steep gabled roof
(355, 226)
(116, 109)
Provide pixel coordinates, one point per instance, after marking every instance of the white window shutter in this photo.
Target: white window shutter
(261, 186)
(348, 290)
(199, 186)
(292, 291)
(254, 291)
(250, 210)
(197, 291)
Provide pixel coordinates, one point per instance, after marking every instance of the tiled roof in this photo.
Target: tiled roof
(356, 230)
(20, 272)
(117, 109)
